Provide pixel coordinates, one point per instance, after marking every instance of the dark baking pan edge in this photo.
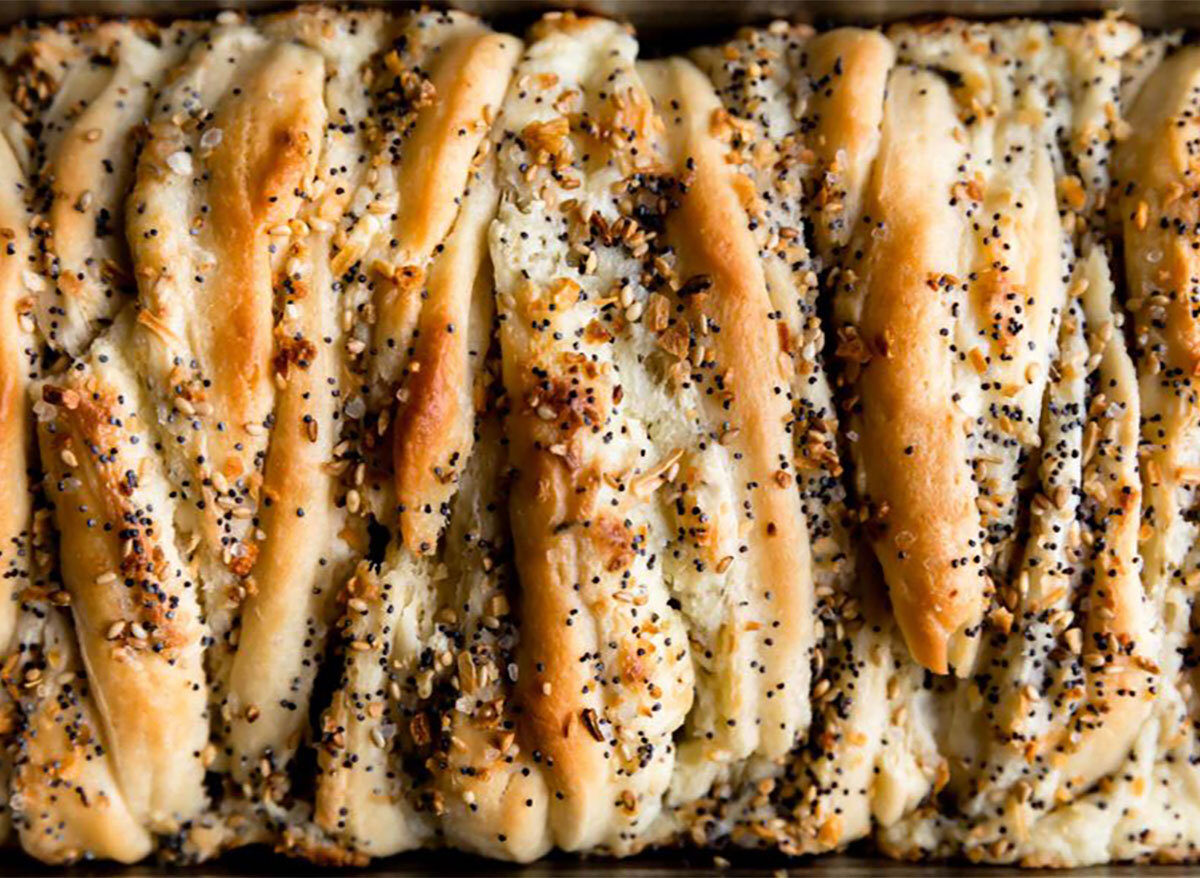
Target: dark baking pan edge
(257, 862)
(658, 21)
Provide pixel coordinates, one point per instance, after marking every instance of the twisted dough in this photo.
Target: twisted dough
(444, 439)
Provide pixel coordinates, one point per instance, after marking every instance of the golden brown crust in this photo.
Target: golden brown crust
(103, 78)
(291, 585)
(466, 85)
(230, 160)
(256, 172)
(805, 113)
(263, 160)
(918, 481)
(308, 541)
(18, 364)
(451, 107)
(850, 68)
(132, 597)
(1154, 172)
(554, 690)
(67, 802)
(427, 289)
(1068, 689)
(711, 234)
(432, 437)
(433, 425)
(18, 355)
(603, 674)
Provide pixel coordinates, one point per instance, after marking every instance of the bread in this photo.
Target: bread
(805, 111)
(418, 437)
(98, 80)
(427, 348)
(20, 359)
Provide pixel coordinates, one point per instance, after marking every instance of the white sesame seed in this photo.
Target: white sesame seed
(211, 138)
(180, 162)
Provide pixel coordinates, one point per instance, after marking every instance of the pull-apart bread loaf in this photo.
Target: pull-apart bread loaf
(416, 436)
